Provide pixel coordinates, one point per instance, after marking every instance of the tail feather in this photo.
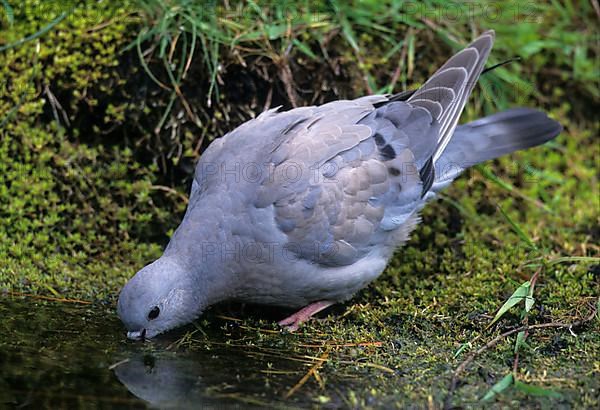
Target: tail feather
(491, 137)
(445, 93)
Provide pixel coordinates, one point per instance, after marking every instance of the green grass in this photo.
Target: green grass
(274, 30)
(93, 181)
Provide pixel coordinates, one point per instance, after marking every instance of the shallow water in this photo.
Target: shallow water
(59, 355)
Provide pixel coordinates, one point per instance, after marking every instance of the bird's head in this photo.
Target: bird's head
(158, 298)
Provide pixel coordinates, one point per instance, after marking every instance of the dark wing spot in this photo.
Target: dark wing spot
(379, 140)
(387, 152)
(394, 171)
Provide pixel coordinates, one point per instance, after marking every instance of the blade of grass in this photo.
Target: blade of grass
(488, 174)
(10, 14)
(520, 232)
(499, 387)
(583, 259)
(536, 391)
(304, 48)
(346, 26)
(145, 65)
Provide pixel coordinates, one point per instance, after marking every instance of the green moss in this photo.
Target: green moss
(71, 223)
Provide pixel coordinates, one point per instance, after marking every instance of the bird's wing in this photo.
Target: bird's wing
(336, 174)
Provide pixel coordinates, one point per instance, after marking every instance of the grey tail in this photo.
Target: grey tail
(491, 137)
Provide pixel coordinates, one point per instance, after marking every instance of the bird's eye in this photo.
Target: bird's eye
(153, 314)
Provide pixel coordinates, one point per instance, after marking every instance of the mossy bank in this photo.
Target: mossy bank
(104, 107)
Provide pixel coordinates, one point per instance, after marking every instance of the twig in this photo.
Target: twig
(497, 339)
(267, 104)
(516, 360)
(596, 8)
(170, 190)
(362, 344)
(533, 280)
(233, 319)
(56, 106)
(311, 372)
(285, 73)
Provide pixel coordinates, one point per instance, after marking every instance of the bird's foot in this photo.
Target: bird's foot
(292, 323)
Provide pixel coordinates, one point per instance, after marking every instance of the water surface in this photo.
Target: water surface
(64, 355)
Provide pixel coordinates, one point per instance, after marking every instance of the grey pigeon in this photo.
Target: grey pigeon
(304, 208)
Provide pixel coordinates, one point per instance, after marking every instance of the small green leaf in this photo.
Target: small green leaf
(499, 387)
(519, 341)
(461, 349)
(519, 295)
(536, 390)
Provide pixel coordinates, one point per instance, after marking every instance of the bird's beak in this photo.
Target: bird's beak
(138, 335)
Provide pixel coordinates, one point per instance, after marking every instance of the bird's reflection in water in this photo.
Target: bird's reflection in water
(169, 382)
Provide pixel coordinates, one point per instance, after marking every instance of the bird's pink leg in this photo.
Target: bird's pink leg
(293, 322)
